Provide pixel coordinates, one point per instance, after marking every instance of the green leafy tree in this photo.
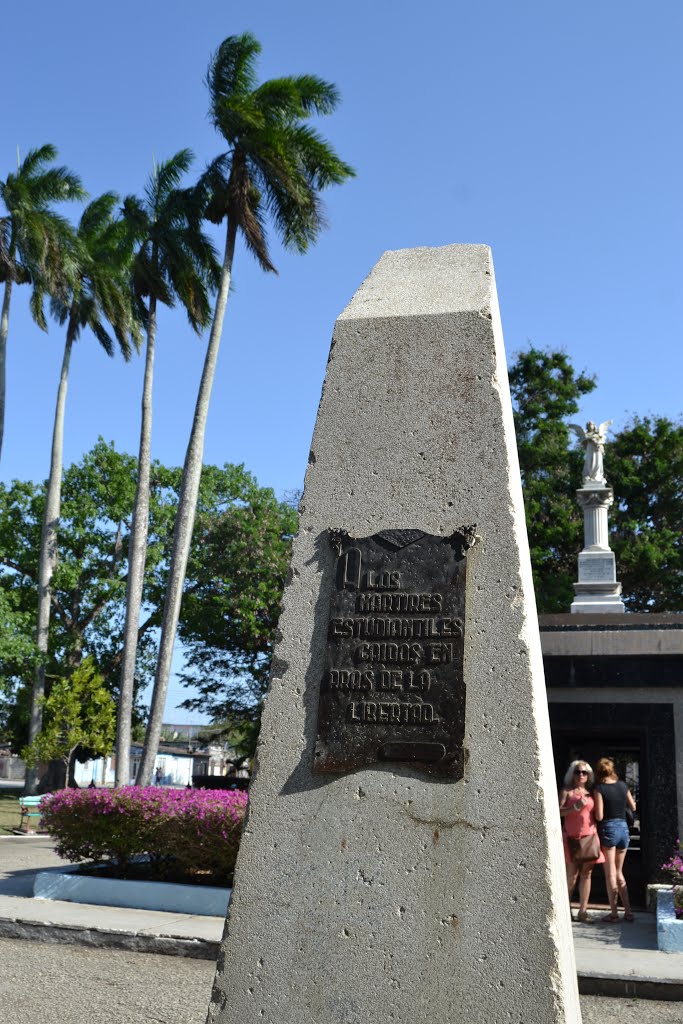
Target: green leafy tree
(79, 712)
(276, 164)
(18, 655)
(174, 261)
(97, 296)
(88, 592)
(17, 648)
(644, 466)
(229, 620)
(35, 242)
(546, 391)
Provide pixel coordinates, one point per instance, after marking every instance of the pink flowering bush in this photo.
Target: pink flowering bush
(180, 831)
(674, 869)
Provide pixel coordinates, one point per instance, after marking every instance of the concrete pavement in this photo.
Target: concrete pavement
(71, 984)
(617, 960)
(623, 959)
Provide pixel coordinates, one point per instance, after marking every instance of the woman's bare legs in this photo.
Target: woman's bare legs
(610, 870)
(619, 857)
(584, 888)
(572, 875)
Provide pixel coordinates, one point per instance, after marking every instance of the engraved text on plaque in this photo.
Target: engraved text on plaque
(393, 687)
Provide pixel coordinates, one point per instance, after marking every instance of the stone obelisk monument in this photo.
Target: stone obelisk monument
(402, 858)
(597, 590)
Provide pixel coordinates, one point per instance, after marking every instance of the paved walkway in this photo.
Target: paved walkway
(618, 959)
(623, 959)
(22, 916)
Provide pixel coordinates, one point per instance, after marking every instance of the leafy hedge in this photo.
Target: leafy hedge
(180, 830)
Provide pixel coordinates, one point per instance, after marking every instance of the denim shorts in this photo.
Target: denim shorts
(614, 832)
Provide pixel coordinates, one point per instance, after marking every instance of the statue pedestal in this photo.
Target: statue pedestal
(597, 589)
(597, 598)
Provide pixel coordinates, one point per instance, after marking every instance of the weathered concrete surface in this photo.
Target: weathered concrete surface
(58, 985)
(383, 896)
(72, 985)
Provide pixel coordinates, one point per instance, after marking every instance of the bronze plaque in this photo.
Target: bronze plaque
(393, 686)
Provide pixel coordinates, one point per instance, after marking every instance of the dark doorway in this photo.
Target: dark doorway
(640, 740)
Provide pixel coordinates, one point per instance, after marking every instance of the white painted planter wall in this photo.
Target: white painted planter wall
(202, 900)
(669, 929)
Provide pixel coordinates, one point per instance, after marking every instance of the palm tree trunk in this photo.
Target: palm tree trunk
(4, 331)
(187, 507)
(137, 549)
(48, 555)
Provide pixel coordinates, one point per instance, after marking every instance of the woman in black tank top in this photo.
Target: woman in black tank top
(612, 798)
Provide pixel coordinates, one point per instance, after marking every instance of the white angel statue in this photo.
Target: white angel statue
(593, 440)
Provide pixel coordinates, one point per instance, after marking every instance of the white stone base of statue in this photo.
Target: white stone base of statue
(597, 598)
(597, 590)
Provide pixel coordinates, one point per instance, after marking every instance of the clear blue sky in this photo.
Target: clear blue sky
(549, 131)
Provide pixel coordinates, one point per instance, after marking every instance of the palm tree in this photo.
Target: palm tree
(174, 259)
(34, 240)
(99, 293)
(276, 165)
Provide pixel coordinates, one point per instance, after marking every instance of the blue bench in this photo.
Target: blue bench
(30, 808)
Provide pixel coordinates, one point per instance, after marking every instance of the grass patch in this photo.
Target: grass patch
(10, 813)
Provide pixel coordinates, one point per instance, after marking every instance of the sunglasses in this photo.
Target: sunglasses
(580, 771)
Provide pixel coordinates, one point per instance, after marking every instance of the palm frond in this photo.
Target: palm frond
(59, 311)
(277, 164)
(297, 96)
(96, 290)
(194, 296)
(247, 212)
(98, 215)
(38, 158)
(318, 160)
(232, 68)
(37, 306)
(213, 188)
(173, 257)
(104, 338)
(316, 95)
(6, 259)
(167, 177)
(204, 255)
(238, 118)
(135, 218)
(56, 185)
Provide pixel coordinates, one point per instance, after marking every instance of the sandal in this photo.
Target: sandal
(582, 916)
(629, 917)
(610, 918)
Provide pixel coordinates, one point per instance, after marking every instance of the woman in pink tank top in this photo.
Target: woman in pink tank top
(578, 820)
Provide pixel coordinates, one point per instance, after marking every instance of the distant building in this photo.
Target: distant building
(179, 760)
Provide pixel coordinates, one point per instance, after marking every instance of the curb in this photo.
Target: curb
(628, 987)
(16, 834)
(207, 949)
(100, 938)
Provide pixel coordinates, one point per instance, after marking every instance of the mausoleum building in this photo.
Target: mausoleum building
(615, 684)
(615, 688)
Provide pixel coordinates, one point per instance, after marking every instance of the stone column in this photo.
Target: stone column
(597, 590)
(595, 502)
(390, 893)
